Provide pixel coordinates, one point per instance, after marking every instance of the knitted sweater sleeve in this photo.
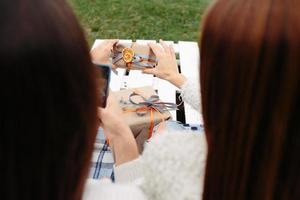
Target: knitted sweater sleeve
(190, 93)
(174, 165)
(128, 177)
(104, 189)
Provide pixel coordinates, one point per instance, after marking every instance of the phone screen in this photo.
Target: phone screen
(103, 79)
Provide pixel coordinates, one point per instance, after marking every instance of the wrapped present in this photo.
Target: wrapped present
(133, 56)
(142, 110)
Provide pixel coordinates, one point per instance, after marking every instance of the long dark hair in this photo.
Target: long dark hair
(250, 85)
(48, 118)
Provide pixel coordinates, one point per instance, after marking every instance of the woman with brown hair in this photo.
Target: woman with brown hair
(250, 86)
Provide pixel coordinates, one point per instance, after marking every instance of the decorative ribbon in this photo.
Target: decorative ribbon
(151, 104)
(138, 59)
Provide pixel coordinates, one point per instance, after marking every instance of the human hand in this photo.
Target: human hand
(101, 53)
(118, 133)
(111, 118)
(166, 68)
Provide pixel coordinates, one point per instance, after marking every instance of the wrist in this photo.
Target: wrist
(177, 79)
(121, 132)
(124, 149)
(123, 145)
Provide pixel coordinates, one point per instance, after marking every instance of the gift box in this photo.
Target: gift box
(142, 110)
(133, 56)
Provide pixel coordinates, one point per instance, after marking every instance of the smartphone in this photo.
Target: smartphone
(103, 79)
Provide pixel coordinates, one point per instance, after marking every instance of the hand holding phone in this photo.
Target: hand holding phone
(103, 80)
(117, 132)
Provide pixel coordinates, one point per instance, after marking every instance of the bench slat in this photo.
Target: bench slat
(137, 79)
(175, 46)
(167, 93)
(147, 76)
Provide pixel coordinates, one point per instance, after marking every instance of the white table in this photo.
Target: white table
(188, 54)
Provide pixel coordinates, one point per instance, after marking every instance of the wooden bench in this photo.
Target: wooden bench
(187, 54)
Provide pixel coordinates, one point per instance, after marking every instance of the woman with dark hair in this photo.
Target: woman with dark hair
(48, 117)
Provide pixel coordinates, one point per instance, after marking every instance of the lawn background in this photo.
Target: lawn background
(140, 19)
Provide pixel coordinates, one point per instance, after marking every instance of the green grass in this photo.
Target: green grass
(140, 19)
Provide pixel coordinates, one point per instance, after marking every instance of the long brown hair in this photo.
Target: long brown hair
(250, 85)
(48, 110)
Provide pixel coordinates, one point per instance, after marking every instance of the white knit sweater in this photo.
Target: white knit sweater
(170, 168)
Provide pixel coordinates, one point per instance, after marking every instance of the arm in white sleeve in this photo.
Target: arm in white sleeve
(190, 93)
(128, 172)
(128, 177)
(174, 166)
(104, 189)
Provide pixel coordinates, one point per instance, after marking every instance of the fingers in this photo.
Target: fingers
(114, 67)
(165, 46)
(110, 99)
(99, 113)
(168, 49)
(150, 71)
(110, 43)
(172, 51)
(157, 50)
(105, 45)
(113, 42)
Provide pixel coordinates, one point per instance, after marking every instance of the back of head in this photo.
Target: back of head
(250, 85)
(48, 101)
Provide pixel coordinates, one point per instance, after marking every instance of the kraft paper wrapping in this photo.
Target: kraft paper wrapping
(139, 125)
(138, 49)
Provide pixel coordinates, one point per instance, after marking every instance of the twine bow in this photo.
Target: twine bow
(151, 104)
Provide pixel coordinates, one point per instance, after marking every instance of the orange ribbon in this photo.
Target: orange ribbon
(151, 110)
(151, 104)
